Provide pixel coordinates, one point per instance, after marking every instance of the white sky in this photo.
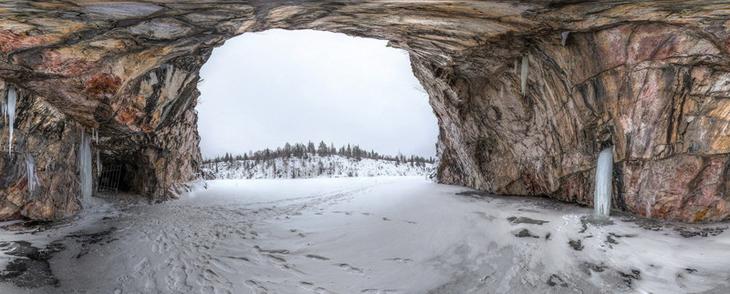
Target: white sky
(264, 89)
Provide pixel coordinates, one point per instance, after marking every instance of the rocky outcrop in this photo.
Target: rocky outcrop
(50, 139)
(656, 91)
(650, 78)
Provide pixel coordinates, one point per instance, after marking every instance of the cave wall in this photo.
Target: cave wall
(650, 78)
(656, 92)
(50, 138)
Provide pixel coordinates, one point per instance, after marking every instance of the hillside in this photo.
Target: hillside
(313, 166)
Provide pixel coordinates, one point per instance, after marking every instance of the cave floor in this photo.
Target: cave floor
(357, 235)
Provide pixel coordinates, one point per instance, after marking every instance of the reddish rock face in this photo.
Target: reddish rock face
(651, 79)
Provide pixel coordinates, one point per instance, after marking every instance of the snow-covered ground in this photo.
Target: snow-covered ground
(313, 166)
(373, 235)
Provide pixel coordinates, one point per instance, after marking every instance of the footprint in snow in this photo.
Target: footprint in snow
(274, 251)
(350, 268)
(399, 259)
(379, 291)
(314, 256)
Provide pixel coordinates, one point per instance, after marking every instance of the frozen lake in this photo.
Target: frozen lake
(359, 235)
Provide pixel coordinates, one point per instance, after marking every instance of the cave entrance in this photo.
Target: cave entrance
(109, 179)
(117, 175)
(113, 179)
(263, 90)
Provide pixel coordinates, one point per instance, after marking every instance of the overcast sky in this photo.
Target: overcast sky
(264, 89)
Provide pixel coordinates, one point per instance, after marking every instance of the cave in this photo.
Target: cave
(526, 93)
(117, 176)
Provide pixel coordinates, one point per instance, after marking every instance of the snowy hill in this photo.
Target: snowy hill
(313, 166)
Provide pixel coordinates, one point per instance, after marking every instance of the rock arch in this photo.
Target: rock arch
(652, 78)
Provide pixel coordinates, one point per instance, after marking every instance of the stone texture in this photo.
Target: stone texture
(52, 140)
(651, 78)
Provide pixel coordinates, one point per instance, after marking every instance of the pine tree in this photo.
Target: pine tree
(287, 150)
(322, 150)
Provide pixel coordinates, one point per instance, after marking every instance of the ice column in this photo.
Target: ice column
(10, 115)
(604, 184)
(85, 169)
(523, 74)
(30, 174)
(95, 135)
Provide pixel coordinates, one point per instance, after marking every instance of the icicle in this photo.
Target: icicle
(10, 114)
(604, 184)
(85, 169)
(30, 174)
(98, 164)
(523, 74)
(95, 137)
(2, 111)
(649, 204)
(564, 38)
(648, 208)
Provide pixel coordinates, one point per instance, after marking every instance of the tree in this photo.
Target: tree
(322, 150)
(287, 149)
(320, 168)
(356, 153)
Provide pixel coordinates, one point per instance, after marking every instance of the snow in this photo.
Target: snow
(313, 166)
(376, 235)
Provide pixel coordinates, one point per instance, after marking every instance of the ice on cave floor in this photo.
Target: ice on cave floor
(375, 235)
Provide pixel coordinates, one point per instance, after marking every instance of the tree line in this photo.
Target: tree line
(304, 151)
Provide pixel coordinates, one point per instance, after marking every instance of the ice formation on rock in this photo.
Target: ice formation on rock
(523, 74)
(9, 110)
(30, 174)
(85, 175)
(604, 183)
